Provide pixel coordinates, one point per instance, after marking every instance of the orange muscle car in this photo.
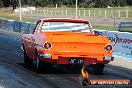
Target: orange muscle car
(66, 41)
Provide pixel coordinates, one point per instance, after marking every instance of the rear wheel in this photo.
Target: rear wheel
(38, 64)
(27, 61)
(97, 68)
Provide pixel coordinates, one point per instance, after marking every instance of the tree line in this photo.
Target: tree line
(66, 3)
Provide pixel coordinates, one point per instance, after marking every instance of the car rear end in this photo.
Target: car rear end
(76, 48)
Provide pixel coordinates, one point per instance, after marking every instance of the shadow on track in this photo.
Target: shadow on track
(60, 69)
(56, 69)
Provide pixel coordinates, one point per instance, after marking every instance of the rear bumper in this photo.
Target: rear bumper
(45, 56)
(65, 59)
(108, 58)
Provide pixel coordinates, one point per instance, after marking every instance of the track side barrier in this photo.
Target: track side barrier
(123, 25)
(122, 41)
(16, 26)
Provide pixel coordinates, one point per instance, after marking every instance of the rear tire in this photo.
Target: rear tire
(38, 64)
(97, 68)
(27, 61)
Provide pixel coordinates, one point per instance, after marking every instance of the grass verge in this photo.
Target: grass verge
(109, 28)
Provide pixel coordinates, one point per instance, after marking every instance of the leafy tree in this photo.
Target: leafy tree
(69, 3)
(13, 3)
(129, 2)
(6, 3)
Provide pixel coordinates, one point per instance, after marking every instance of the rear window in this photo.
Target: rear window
(65, 26)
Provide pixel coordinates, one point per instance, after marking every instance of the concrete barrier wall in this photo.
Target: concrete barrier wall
(122, 41)
(17, 26)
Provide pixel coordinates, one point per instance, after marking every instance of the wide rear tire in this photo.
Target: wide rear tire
(27, 61)
(38, 64)
(97, 68)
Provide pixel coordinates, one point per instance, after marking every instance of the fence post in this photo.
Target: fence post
(66, 12)
(99, 13)
(127, 14)
(119, 13)
(62, 12)
(44, 11)
(79, 13)
(47, 11)
(31, 11)
(55, 12)
(105, 14)
(84, 13)
(51, 12)
(89, 13)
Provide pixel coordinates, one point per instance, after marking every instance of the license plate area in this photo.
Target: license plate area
(109, 58)
(73, 60)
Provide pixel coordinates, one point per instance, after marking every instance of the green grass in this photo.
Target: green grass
(9, 17)
(126, 29)
(16, 18)
(109, 28)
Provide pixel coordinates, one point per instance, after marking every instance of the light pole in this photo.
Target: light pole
(20, 11)
(114, 17)
(76, 8)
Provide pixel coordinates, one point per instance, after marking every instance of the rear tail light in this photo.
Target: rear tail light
(108, 48)
(47, 45)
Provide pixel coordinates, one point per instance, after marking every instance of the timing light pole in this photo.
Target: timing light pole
(76, 8)
(20, 11)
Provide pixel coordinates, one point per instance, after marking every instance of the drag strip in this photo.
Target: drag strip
(11, 54)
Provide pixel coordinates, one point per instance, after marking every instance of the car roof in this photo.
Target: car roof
(65, 20)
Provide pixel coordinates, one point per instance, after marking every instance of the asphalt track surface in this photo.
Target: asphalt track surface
(13, 73)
